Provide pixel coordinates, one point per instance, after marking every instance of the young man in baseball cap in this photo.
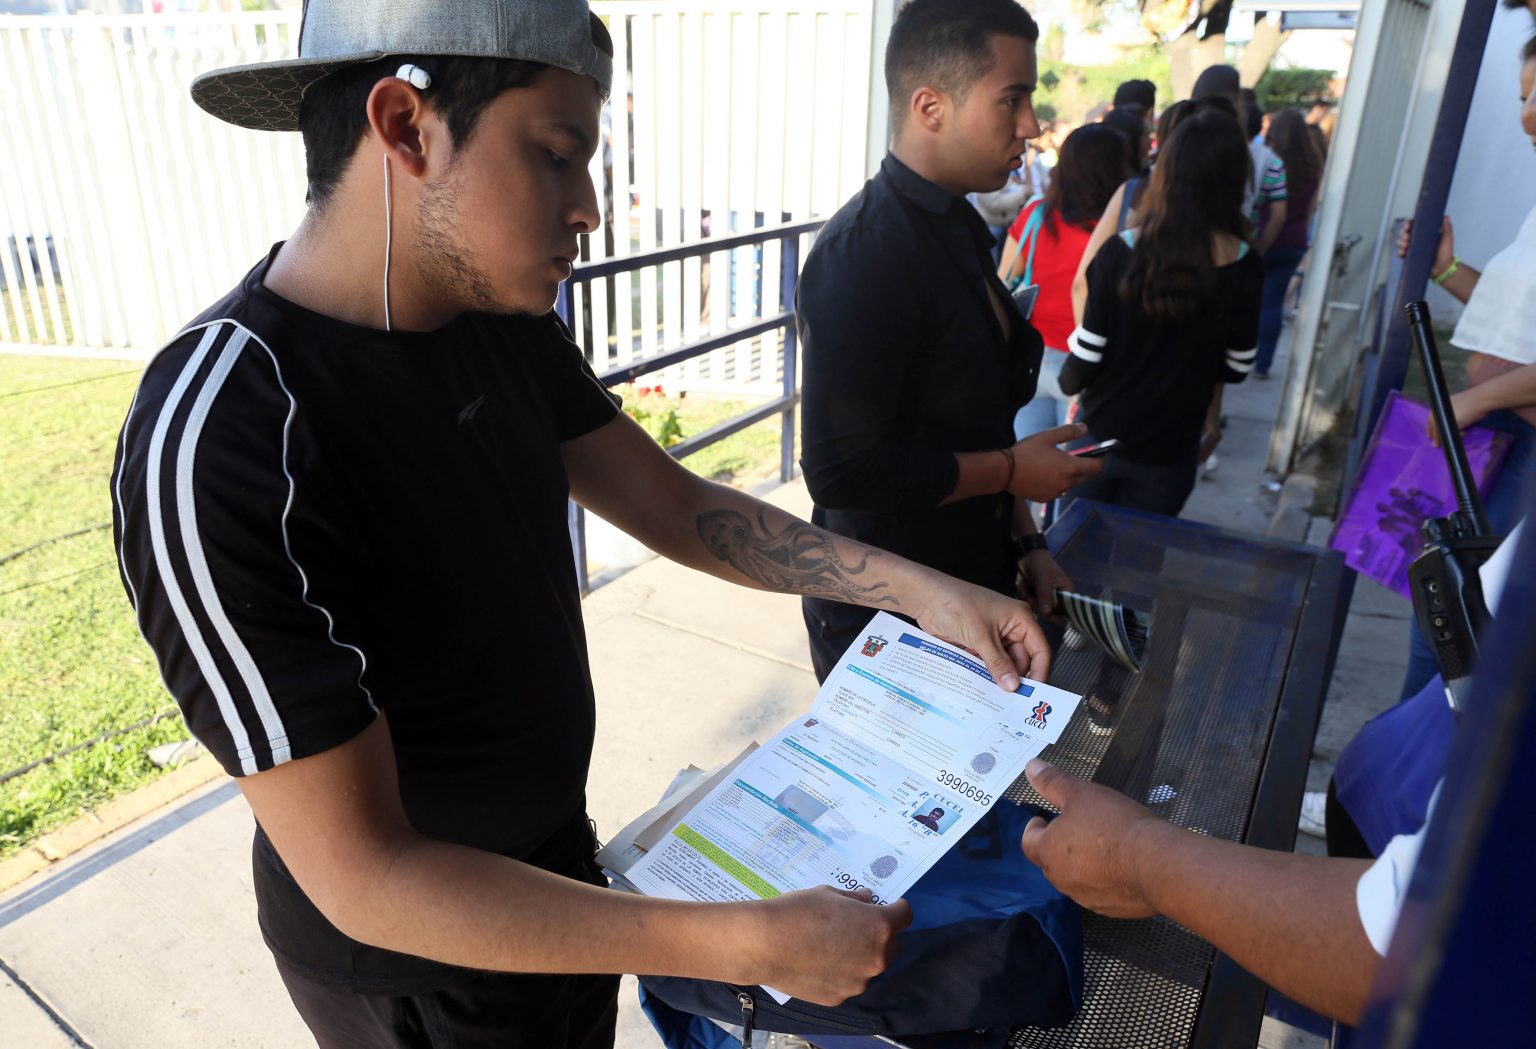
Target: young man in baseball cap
(340, 501)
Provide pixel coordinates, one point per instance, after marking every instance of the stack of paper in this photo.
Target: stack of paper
(907, 745)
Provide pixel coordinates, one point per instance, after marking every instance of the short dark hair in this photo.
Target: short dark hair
(946, 44)
(1217, 82)
(1141, 93)
(333, 116)
(1528, 52)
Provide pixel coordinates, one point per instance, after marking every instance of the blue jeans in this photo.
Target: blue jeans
(1159, 488)
(1279, 267)
(1506, 500)
(1049, 406)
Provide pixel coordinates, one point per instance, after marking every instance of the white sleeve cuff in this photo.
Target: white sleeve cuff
(1381, 890)
(1086, 345)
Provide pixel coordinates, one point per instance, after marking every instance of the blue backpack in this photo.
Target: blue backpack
(992, 946)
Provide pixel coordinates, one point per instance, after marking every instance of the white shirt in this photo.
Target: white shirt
(1380, 892)
(1381, 889)
(1500, 318)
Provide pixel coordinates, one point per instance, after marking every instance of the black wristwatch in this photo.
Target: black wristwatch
(1023, 545)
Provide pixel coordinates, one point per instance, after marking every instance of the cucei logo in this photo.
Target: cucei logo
(1038, 715)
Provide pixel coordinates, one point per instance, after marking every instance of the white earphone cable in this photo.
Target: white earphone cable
(420, 79)
(388, 225)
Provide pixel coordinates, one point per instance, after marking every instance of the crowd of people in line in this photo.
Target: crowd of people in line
(1151, 259)
(1210, 242)
(341, 498)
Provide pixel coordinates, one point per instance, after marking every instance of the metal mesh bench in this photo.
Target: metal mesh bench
(1215, 733)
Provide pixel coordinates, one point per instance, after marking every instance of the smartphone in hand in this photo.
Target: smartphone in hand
(1095, 451)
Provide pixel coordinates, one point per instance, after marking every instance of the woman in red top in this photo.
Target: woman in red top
(1045, 243)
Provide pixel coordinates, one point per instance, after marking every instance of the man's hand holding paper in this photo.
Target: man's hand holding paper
(1001, 630)
(906, 746)
(837, 942)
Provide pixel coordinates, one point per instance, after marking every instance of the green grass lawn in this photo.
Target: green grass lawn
(72, 664)
(40, 327)
(743, 458)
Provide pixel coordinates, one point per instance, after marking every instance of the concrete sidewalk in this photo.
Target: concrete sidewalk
(148, 938)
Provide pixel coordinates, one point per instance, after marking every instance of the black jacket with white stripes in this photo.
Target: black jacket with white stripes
(1148, 383)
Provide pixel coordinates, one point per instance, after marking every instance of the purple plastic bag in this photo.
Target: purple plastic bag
(1403, 480)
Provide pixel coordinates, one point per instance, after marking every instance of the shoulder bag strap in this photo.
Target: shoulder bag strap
(1125, 202)
(1036, 220)
(1031, 222)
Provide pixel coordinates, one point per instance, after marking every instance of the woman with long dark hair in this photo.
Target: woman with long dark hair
(1043, 249)
(1172, 312)
(1293, 142)
(1120, 212)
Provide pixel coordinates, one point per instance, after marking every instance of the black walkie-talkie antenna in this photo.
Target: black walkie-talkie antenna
(1447, 593)
(1445, 419)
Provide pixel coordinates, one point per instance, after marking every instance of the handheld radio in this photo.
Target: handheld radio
(1447, 593)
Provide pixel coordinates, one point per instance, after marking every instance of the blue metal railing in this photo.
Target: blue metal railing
(788, 235)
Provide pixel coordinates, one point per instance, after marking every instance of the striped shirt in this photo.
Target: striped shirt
(317, 522)
(1267, 184)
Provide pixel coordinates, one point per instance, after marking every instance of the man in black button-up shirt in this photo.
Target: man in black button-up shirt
(915, 358)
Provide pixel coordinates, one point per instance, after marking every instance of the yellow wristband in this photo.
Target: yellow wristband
(1448, 271)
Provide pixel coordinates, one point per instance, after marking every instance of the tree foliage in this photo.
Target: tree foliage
(1295, 88)
(1070, 91)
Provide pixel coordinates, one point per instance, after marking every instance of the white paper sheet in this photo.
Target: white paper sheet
(906, 746)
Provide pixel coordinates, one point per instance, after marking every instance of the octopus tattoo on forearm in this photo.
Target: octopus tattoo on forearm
(801, 559)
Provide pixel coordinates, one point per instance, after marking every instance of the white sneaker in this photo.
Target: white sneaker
(1314, 808)
(1209, 466)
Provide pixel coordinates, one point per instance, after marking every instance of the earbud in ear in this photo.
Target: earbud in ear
(414, 75)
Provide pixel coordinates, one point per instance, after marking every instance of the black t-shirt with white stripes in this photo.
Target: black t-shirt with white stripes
(1146, 383)
(317, 522)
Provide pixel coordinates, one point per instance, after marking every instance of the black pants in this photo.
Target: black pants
(1343, 837)
(1160, 488)
(496, 1011)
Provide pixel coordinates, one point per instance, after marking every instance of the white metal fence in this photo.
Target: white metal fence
(126, 210)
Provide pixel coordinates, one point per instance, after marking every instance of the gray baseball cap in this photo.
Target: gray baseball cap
(340, 33)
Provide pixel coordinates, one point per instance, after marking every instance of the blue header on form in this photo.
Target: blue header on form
(1024, 689)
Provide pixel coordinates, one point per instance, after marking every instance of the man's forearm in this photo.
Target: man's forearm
(1512, 389)
(744, 540)
(466, 907)
(981, 473)
(1023, 518)
(1290, 920)
(618, 472)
